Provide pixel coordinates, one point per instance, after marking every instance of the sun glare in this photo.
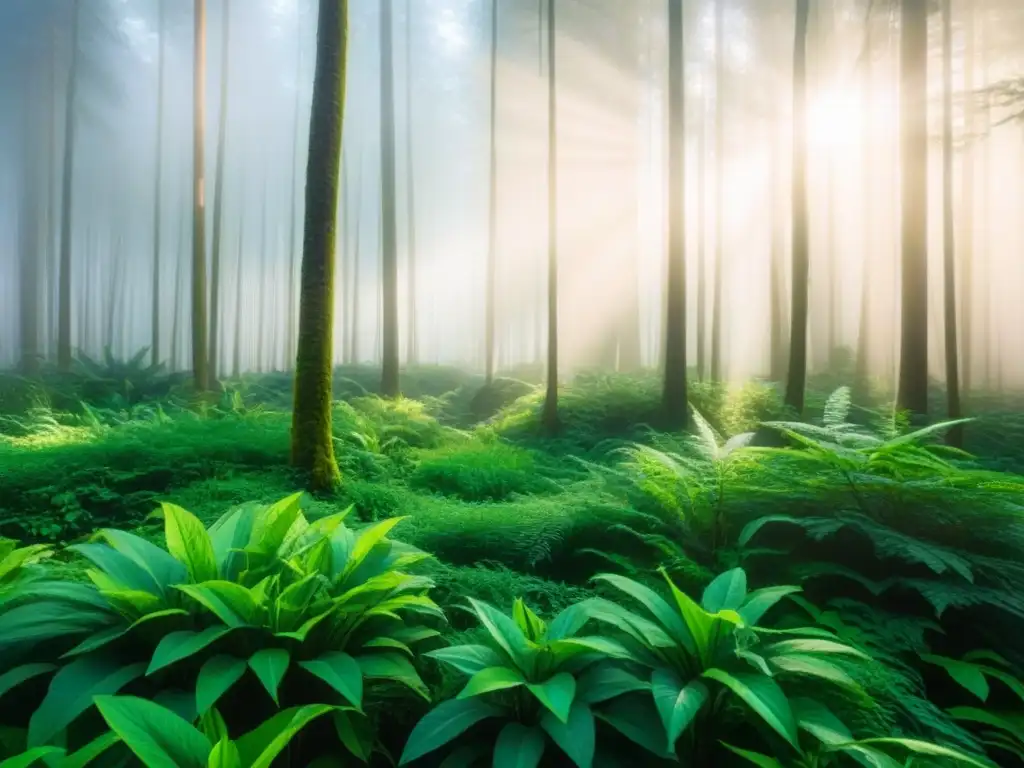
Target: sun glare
(835, 119)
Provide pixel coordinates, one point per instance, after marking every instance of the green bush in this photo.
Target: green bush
(479, 471)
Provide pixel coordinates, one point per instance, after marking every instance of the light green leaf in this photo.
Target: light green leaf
(368, 538)
(157, 736)
(518, 746)
(224, 755)
(72, 690)
(165, 569)
(231, 603)
(393, 666)
(505, 633)
(576, 736)
(341, 672)
(761, 601)
(677, 704)
(490, 680)
(726, 592)
(925, 748)
(605, 681)
(698, 621)
(120, 568)
(765, 697)
(812, 666)
(967, 675)
(232, 532)
(180, 645)
(274, 523)
(260, 747)
(31, 757)
(356, 733)
(216, 677)
(667, 618)
(270, 665)
(556, 694)
(819, 721)
(528, 622)
(816, 646)
(85, 756)
(19, 675)
(189, 543)
(762, 761)
(467, 658)
(444, 723)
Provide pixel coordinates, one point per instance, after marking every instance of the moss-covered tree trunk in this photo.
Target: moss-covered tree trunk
(796, 380)
(312, 446)
(200, 359)
(550, 414)
(218, 197)
(674, 391)
(912, 394)
(389, 383)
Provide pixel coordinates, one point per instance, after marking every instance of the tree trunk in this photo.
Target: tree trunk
(356, 258)
(796, 380)
(492, 255)
(67, 185)
(293, 250)
(550, 414)
(312, 443)
(29, 240)
(389, 382)
(967, 235)
(236, 350)
(955, 435)
(200, 361)
(777, 325)
(913, 376)
(716, 309)
(412, 356)
(674, 391)
(702, 240)
(218, 197)
(264, 268)
(157, 190)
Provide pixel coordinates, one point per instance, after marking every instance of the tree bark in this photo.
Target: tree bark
(389, 382)
(293, 264)
(955, 435)
(200, 360)
(412, 355)
(550, 414)
(312, 443)
(492, 235)
(157, 190)
(218, 196)
(67, 185)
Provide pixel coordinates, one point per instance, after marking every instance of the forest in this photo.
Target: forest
(511, 383)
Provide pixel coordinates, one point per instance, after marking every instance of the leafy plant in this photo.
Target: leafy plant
(131, 379)
(17, 565)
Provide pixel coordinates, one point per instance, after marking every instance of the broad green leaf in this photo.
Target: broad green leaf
(72, 690)
(699, 622)
(816, 646)
(528, 622)
(182, 703)
(968, 675)
(216, 677)
(270, 665)
(467, 658)
(677, 704)
(605, 681)
(260, 747)
(762, 761)
(367, 538)
(232, 532)
(165, 569)
(109, 635)
(213, 726)
(389, 642)
(726, 592)
(393, 666)
(180, 645)
(576, 736)
(813, 666)
(19, 675)
(918, 747)
(765, 697)
(120, 568)
(231, 603)
(819, 721)
(761, 601)
(505, 633)
(635, 717)
(158, 737)
(25, 626)
(341, 672)
(189, 543)
(356, 732)
(490, 680)
(274, 523)
(444, 723)
(568, 622)
(224, 755)
(518, 746)
(665, 616)
(1010, 722)
(85, 756)
(31, 757)
(556, 694)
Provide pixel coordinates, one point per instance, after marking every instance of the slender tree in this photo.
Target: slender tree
(550, 414)
(29, 240)
(312, 442)
(389, 384)
(967, 234)
(702, 236)
(293, 249)
(67, 185)
(492, 233)
(913, 376)
(410, 192)
(218, 195)
(157, 190)
(955, 436)
(796, 379)
(674, 392)
(716, 308)
(200, 359)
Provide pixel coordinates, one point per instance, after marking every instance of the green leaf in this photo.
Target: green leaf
(72, 690)
(224, 755)
(816, 646)
(666, 617)
(568, 622)
(518, 746)
(761, 601)
(19, 675)
(165, 569)
(260, 747)
(341, 672)
(270, 665)
(967, 675)
(505, 633)
(812, 666)
(444, 723)
(605, 681)
(367, 538)
(356, 733)
(180, 645)
(1012, 723)
(31, 757)
(819, 721)
(467, 658)
(85, 756)
(188, 542)
(231, 603)
(528, 622)
(273, 523)
(158, 737)
(763, 761)
(556, 694)
(698, 621)
(216, 677)
(635, 717)
(925, 748)
(726, 592)
(120, 568)
(393, 666)
(232, 532)
(490, 680)
(677, 704)
(765, 697)
(576, 736)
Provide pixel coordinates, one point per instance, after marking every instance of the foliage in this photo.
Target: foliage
(480, 471)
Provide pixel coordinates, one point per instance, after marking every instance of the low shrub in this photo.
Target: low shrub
(490, 470)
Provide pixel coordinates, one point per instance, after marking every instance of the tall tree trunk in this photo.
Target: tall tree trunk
(293, 249)
(674, 391)
(550, 414)
(863, 363)
(776, 319)
(312, 442)
(236, 349)
(716, 310)
(29, 240)
(356, 258)
(412, 356)
(218, 196)
(955, 435)
(200, 360)
(67, 185)
(796, 380)
(261, 340)
(389, 382)
(913, 376)
(702, 239)
(492, 234)
(967, 234)
(157, 190)
(179, 290)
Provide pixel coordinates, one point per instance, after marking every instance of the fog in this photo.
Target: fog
(612, 72)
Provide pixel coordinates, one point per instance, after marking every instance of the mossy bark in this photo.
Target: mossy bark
(312, 447)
